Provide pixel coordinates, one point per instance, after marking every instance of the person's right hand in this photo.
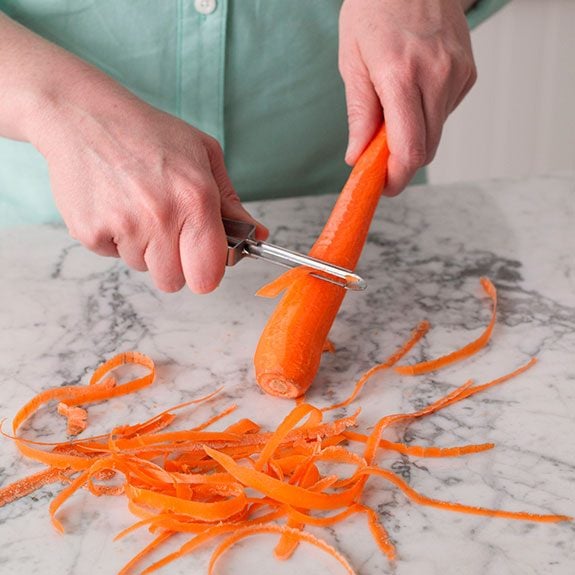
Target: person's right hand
(128, 179)
(134, 182)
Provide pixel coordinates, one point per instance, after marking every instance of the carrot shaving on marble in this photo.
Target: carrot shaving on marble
(76, 417)
(462, 353)
(241, 481)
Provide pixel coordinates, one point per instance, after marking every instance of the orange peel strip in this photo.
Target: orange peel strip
(461, 353)
(259, 529)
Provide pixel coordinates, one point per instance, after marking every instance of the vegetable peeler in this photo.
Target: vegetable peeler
(242, 242)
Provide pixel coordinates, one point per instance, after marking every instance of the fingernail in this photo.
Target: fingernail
(262, 232)
(350, 155)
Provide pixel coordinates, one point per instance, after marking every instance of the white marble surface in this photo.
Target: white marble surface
(64, 310)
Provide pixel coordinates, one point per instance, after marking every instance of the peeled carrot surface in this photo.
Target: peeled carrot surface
(241, 481)
(290, 347)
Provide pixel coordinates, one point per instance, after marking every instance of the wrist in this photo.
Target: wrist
(44, 89)
(57, 102)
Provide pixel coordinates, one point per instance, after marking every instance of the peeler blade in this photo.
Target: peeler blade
(242, 243)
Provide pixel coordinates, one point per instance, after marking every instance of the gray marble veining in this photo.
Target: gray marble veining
(64, 310)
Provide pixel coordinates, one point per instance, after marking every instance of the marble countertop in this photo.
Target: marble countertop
(64, 310)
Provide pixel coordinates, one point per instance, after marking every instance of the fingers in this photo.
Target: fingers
(469, 83)
(401, 100)
(132, 252)
(406, 133)
(416, 64)
(203, 245)
(446, 84)
(99, 243)
(163, 259)
(172, 226)
(364, 113)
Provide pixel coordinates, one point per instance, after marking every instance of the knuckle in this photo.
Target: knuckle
(201, 200)
(229, 196)
(453, 64)
(356, 111)
(158, 208)
(430, 155)
(472, 74)
(202, 285)
(162, 215)
(415, 156)
(213, 146)
(444, 66)
(170, 284)
(399, 74)
(95, 239)
(345, 66)
(124, 225)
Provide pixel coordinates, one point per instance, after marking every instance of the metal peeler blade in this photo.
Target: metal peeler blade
(242, 243)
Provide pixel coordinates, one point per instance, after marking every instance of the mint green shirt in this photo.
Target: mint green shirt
(261, 76)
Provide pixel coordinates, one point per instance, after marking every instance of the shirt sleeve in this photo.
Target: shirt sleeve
(482, 9)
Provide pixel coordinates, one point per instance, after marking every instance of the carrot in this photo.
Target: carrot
(290, 347)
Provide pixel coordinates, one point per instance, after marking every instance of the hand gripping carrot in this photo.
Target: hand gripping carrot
(290, 347)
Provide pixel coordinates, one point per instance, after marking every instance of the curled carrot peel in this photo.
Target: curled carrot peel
(295, 533)
(240, 481)
(465, 351)
(420, 450)
(416, 336)
(449, 506)
(75, 416)
(282, 492)
(290, 347)
(379, 533)
(282, 282)
(30, 484)
(98, 389)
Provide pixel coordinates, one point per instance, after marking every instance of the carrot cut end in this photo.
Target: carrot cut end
(279, 386)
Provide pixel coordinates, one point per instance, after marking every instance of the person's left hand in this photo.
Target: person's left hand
(410, 62)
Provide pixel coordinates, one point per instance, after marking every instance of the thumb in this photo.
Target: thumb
(364, 113)
(231, 205)
(233, 209)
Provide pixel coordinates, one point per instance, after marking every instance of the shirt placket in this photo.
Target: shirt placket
(201, 65)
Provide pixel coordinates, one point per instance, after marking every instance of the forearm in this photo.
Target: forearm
(37, 77)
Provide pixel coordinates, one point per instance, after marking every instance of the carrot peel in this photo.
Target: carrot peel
(465, 351)
(234, 483)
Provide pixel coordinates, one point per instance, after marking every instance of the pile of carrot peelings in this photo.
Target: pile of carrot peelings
(219, 487)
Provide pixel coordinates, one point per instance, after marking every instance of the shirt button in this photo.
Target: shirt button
(205, 6)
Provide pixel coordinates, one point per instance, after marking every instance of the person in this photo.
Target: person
(150, 120)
